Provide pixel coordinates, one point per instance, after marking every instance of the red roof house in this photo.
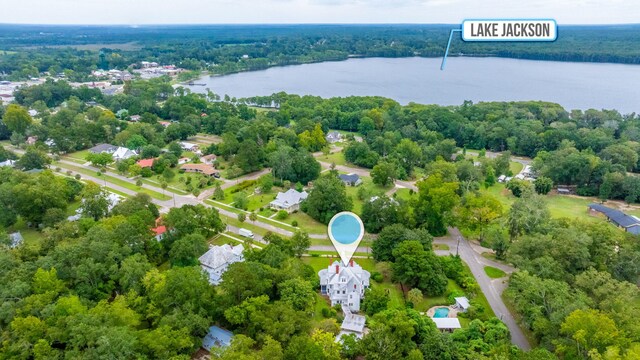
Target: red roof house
(145, 163)
(159, 230)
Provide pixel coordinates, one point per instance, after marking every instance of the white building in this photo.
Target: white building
(352, 324)
(216, 261)
(288, 201)
(16, 239)
(462, 303)
(447, 324)
(8, 163)
(189, 146)
(333, 137)
(122, 153)
(345, 285)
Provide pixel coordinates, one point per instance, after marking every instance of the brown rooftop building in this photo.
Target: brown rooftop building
(199, 168)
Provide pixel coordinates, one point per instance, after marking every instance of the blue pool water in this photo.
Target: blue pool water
(345, 228)
(442, 312)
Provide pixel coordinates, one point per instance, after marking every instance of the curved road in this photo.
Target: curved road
(490, 289)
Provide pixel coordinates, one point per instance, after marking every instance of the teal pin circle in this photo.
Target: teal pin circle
(346, 228)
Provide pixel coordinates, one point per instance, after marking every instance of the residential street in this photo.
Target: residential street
(492, 292)
(491, 288)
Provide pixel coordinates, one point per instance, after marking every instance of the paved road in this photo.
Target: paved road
(175, 201)
(489, 288)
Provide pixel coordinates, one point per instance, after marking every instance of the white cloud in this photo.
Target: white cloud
(310, 11)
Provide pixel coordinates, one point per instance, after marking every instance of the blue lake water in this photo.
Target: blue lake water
(345, 229)
(572, 85)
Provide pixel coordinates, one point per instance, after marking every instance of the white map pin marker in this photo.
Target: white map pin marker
(346, 231)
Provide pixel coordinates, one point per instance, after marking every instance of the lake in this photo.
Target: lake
(420, 80)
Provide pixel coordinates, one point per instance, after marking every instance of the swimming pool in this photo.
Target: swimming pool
(442, 312)
(346, 228)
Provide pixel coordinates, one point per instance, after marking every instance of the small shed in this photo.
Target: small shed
(217, 337)
(16, 239)
(462, 303)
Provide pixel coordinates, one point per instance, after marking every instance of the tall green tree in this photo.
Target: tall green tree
(17, 119)
(417, 267)
(327, 198)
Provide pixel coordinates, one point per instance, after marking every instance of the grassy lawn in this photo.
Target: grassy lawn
(431, 301)
(79, 155)
(321, 303)
(306, 223)
(336, 157)
(72, 207)
(333, 253)
(405, 194)
(32, 237)
(440, 247)
(172, 186)
(515, 167)
(256, 201)
(352, 191)
(559, 205)
(494, 273)
(183, 183)
(221, 240)
(116, 181)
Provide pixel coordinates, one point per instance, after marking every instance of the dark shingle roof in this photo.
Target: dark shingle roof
(100, 148)
(617, 216)
(352, 178)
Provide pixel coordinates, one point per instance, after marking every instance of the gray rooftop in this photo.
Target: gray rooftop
(349, 177)
(100, 148)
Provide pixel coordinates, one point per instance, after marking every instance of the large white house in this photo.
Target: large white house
(122, 153)
(344, 284)
(289, 201)
(216, 261)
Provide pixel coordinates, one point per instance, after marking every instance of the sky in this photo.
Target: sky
(139, 12)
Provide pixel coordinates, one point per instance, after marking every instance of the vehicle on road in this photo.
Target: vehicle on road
(245, 233)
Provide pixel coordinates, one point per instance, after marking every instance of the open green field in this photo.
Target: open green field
(306, 223)
(78, 155)
(560, 206)
(337, 157)
(172, 186)
(256, 201)
(494, 273)
(183, 183)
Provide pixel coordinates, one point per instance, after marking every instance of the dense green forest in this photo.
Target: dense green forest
(103, 287)
(31, 49)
